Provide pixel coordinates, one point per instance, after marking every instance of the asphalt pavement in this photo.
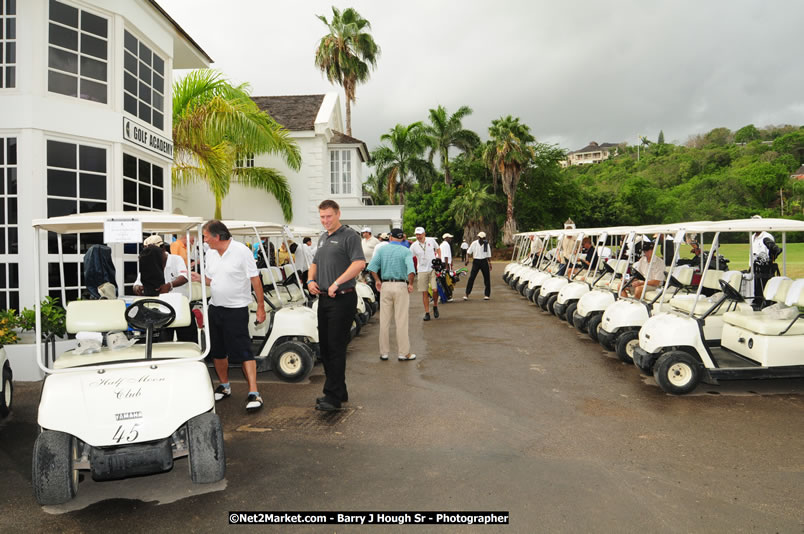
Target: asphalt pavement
(506, 408)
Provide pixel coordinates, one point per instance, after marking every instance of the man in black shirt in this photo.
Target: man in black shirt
(338, 260)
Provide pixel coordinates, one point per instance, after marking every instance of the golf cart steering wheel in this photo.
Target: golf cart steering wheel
(636, 274)
(608, 268)
(149, 313)
(730, 292)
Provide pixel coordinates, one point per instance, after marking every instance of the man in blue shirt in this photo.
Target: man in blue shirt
(392, 269)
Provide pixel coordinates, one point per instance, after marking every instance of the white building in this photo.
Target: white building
(85, 101)
(332, 167)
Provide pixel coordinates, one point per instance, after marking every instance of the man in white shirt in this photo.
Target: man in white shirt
(304, 258)
(368, 242)
(464, 248)
(231, 274)
(652, 270)
(384, 240)
(480, 250)
(425, 250)
(446, 250)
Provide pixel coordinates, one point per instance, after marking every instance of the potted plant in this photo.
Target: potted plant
(22, 355)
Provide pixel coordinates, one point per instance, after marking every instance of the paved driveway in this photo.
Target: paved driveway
(506, 409)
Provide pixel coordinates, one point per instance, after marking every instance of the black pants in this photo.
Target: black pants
(482, 266)
(334, 321)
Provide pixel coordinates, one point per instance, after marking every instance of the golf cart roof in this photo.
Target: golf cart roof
(748, 225)
(249, 227)
(152, 222)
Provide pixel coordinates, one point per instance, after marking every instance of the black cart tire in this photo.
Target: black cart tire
(292, 360)
(6, 399)
(369, 306)
(580, 323)
(551, 302)
(55, 480)
(205, 440)
(592, 325)
(625, 345)
(570, 312)
(677, 372)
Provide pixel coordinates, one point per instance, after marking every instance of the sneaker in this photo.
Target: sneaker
(383, 356)
(450, 299)
(435, 312)
(466, 297)
(253, 402)
(222, 392)
(486, 298)
(404, 357)
(426, 316)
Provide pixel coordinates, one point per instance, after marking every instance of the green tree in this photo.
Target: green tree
(214, 126)
(430, 208)
(375, 189)
(401, 161)
(445, 132)
(717, 137)
(507, 154)
(746, 134)
(347, 53)
(660, 139)
(473, 208)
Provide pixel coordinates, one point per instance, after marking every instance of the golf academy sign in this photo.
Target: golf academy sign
(146, 138)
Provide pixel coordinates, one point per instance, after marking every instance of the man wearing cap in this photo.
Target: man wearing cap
(337, 262)
(446, 250)
(425, 249)
(384, 240)
(480, 250)
(464, 248)
(652, 271)
(368, 242)
(395, 263)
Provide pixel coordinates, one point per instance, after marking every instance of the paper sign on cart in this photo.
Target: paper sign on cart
(122, 231)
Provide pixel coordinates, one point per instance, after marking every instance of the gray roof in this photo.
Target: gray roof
(799, 172)
(180, 29)
(339, 138)
(294, 112)
(594, 147)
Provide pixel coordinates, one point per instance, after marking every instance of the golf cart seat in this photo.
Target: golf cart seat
(687, 303)
(775, 320)
(103, 316)
(683, 278)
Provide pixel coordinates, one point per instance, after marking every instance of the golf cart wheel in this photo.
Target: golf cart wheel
(568, 314)
(205, 441)
(580, 323)
(8, 392)
(625, 345)
(292, 361)
(677, 372)
(55, 480)
(369, 307)
(551, 302)
(593, 325)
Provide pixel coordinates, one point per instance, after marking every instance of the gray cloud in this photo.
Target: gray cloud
(574, 71)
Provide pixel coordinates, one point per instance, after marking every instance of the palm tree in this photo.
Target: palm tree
(376, 190)
(214, 126)
(400, 162)
(473, 208)
(346, 53)
(507, 154)
(447, 131)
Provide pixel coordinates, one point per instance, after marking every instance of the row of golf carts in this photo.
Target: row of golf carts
(114, 407)
(699, 321)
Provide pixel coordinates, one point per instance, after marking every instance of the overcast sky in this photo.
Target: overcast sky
(574, 71)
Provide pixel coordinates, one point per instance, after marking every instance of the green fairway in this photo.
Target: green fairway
(738, 256)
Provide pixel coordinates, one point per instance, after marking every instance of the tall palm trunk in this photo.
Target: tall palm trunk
(447, 175)
(509, 229)
(392, 186)
(349, 90)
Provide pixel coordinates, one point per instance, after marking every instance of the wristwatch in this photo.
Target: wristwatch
(336, 284)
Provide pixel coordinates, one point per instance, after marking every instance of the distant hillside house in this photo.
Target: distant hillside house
(798, 174)
(592, 153)
(332, 167)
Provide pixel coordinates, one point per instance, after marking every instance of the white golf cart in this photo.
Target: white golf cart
(516, 258)
(588, 314)
(624, 317)
(546, 266)
(686, 346)
(530, 262)
(548, 294)
(112, 408)
(287, 341)
(521, 261)
(6, 385)
(583, 278)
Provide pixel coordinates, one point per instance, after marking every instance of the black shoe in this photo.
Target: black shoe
(328, 405)
(319, 400)
(435, 312)
(253, 402)
(426, 316)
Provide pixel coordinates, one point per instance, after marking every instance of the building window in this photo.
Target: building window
(247, 162)
(143, 82)
(9, 226)
(8, 43)
(143, 185)
(340, 172)
(76, 183)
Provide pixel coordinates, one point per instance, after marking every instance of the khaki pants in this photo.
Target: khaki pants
(394, 302)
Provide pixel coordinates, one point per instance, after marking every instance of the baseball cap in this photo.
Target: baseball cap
(419, 230)
(446, 235)
(153, 240)
(481, 235)
(366, 229)
(384, 235)
(397, 233)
